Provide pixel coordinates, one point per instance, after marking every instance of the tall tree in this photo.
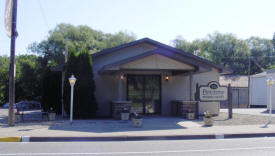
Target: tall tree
(80, 65)
(229, 51)
(4, 79)
(197, 47)
(78, 38)
(262, 51)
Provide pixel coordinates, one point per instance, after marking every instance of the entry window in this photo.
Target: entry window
(144, 91)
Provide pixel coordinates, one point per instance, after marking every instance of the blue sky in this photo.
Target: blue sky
(161, 20)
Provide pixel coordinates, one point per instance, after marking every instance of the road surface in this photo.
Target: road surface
(224, 147)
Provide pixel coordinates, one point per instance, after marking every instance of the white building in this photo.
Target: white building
(259, 91)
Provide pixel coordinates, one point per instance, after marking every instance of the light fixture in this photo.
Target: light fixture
(72, 81)
(166, 77)
(122, 77)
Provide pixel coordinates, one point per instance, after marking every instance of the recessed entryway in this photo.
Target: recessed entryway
(144, 91)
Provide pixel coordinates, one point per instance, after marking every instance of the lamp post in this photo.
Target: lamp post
(72, 81)
(270, 82)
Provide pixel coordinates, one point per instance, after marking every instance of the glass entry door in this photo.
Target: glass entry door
(144, 91)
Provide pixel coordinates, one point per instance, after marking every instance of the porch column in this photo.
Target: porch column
(190, 86)
(120, 86)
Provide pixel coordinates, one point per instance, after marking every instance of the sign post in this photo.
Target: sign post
(229, 101)
(214, 92)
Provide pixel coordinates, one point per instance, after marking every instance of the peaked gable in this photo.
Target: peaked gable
(187, 56)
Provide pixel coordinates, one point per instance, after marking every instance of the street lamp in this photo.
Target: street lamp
(270, 82)
(72, 80)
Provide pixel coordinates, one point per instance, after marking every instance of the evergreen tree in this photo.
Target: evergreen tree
(84, 100)
(51, 95)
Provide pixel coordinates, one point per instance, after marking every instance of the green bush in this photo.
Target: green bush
(51, 95)
(84, 100)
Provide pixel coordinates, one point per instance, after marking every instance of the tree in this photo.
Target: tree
(27, 77)
(78, 38)
(273, 41)
(4, 79)
(80, 65)
(51, 95)
(227, 50)
(196, 47)
(262, 51)
(224, 49)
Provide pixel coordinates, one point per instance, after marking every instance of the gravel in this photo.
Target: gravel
(239, 119)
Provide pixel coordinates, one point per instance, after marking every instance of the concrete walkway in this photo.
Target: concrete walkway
(154, 127)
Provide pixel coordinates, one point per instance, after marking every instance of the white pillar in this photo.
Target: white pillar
(72, 104)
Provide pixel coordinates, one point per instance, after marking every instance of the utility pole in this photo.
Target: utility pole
(63, 77)
(12, 58)
(249, 68)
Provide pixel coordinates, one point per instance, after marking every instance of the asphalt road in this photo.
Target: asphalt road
(224, 147)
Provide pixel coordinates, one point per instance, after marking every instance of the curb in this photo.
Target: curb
(10, 139)
(148, 138)
(135, 138)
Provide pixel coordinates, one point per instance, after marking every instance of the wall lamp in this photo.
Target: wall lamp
(166, 78)
(122, 76)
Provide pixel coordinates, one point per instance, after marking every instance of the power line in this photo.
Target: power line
(247, 57)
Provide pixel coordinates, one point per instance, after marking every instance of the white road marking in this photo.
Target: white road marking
(148, 152)
(25, 139)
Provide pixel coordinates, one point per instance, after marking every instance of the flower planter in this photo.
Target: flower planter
(137, 122)
(208, 121)
(125, 116)
(190, 116)
(51, 116)
(17, 118)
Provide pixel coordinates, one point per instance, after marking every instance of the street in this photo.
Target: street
(251, 147)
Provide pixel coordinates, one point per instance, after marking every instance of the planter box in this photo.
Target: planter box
(51, 116)
(17, 118)
(125, 116)
(190, 116)
(137, 122)
(208, 121)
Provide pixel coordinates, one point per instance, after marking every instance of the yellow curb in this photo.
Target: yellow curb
(10, 139)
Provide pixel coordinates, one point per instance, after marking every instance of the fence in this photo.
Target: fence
(239, 98)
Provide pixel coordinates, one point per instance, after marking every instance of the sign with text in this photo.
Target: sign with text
(213, 92)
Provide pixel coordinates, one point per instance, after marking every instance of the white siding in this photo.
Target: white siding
(258, 91)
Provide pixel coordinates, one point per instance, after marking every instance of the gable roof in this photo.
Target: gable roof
(166, 47)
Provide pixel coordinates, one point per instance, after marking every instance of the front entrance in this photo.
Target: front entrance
(145, 93)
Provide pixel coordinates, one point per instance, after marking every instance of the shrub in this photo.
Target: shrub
(84, 100)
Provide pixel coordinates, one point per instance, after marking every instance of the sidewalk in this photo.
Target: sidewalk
(152, 129)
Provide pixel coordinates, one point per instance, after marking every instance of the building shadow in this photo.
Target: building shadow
(111, 125)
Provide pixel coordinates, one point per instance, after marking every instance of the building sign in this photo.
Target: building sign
(213, 92)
